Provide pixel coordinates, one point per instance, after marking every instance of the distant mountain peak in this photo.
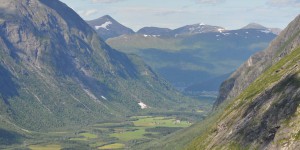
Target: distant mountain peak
(154, 31)
(197, 29)
(261, 27)
(107, 27)
(107, 16)
(254, 26)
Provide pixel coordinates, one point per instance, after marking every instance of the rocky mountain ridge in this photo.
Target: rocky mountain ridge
(154, 31)
(59, 73)
(258, 63)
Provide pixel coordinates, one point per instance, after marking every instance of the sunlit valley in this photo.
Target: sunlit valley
(80, 80)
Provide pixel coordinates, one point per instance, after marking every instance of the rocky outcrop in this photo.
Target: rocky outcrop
(286, 42)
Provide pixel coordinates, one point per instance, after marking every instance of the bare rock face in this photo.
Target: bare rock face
(286, 42)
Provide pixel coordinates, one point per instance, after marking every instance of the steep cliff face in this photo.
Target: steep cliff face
(286, 42)
(55, 70)
(264, 113)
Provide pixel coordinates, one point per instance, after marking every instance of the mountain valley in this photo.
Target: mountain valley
(192, 56)
(58, 75)
(71, 84)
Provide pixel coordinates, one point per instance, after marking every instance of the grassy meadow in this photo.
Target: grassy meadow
(109, 135)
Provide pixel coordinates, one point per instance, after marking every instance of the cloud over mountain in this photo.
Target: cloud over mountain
(285, 3)
(106, 1)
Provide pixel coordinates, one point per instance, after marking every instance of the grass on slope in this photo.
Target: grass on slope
(285, 66)
(278, 71)
(178, 140)
(136, 42)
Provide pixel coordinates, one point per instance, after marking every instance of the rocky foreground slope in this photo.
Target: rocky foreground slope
(259, 104)
(260, 107)
(287, 41)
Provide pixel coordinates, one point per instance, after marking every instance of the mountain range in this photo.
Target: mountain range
(194, 58)
(258, 105)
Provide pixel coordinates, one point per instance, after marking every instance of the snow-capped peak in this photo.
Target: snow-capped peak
(221, 30)
(104, 25)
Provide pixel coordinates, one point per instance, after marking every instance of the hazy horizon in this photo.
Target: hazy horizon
(172, 14)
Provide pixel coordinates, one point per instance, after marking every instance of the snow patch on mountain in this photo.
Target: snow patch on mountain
(104, 25)
(221, 30)
(266, 31)
(145, 35)
(143, 105)
(103, 97)
(226, 34)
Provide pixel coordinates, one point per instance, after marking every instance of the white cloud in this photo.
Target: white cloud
(209, 1)
(87, 13)
(284, 3)
(198, 1)
(106, 1)
(152, 11)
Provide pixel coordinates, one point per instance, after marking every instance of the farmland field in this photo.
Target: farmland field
(110, 135)
(113, 146)
(45, 147)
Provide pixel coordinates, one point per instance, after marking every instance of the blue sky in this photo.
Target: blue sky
(231, 14)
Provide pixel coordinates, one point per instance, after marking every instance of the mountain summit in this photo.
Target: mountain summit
(255, 26)
(154, 31)
(107, 27)
(261, 27)
(197, 28)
